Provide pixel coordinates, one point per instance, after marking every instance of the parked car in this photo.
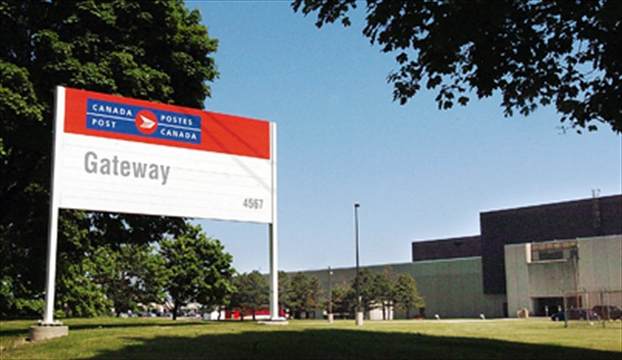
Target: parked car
(575, 314)
(608, 312)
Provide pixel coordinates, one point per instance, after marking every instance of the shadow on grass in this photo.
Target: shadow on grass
(87, 326)
(130, 325)
(341, 344)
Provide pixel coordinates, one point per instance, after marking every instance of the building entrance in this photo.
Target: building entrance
(547, 306)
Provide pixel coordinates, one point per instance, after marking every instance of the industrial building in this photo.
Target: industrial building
(538, 258)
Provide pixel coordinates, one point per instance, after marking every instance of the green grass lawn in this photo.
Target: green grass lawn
(108, 338)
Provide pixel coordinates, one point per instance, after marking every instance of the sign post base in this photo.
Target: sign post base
(277, 321)
(359, 318)
(48, 331)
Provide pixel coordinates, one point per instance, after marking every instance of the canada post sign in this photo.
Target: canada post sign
(139, 121)
(132, 156)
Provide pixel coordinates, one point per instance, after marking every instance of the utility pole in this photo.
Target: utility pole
(358, 313)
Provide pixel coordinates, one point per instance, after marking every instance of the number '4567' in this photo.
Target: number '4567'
(251, 203)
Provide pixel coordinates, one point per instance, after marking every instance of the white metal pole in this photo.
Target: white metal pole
(274, 274)
(50, 286)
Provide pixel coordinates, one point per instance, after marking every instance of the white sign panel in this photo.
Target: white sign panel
(124, 155)
(130, 156)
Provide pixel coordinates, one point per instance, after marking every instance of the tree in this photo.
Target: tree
(79, 294)
(130, 275)
(406, 294)
(284, 291)
(95, 275)
(79, 268)
(383, 290)
(153, 50)
(534, 53)
(315, 294)
(366, 289)
(198, 268)
(343, 297)
(304, 295)
(252, 292)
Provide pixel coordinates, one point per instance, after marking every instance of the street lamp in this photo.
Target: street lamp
(358, 314)
(330, 298)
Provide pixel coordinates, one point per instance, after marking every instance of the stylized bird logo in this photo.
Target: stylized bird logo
(146, 122)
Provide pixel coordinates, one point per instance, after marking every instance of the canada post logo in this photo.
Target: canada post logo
(137, 120)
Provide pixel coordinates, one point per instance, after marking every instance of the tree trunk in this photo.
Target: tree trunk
(175, 308)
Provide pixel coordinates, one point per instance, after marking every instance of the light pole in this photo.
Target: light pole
(330, 297)
(358, 313)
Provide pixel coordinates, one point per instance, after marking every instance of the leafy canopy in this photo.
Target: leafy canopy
(251, 294)
(534, 53)
(365, 282)
(407, 295)
(302, 293)
(199, 270)
(153, 50)
(130, 275)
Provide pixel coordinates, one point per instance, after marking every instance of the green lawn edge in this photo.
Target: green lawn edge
(111, 338)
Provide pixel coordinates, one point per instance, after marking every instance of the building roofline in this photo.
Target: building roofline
(551, 205)
(459, 238)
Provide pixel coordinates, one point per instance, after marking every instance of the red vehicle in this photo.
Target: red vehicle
(261, 314)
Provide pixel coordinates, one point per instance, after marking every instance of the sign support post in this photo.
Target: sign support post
(50, 283)
(273, 230)
(48, 328)
(274, 273)
(48, 317)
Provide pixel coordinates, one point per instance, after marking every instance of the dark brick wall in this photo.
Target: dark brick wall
(446, 249)
(567, 220)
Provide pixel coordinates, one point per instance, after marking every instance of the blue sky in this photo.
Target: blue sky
(419, 173)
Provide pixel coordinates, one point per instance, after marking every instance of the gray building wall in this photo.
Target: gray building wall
(451, 288)
(566, 220)
(600, 263)
(492, 274)
(598, 268)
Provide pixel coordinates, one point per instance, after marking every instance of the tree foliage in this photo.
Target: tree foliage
(284, 289)
(130, 275)
(198, 269)
(304, 294)
(406, 294)
(251, 294)
(365, 279)
(533, 53)
(80, 295)
(153, 50)
(344, 299)
(383, 291)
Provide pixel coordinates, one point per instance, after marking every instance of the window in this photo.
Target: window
(553, 251)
